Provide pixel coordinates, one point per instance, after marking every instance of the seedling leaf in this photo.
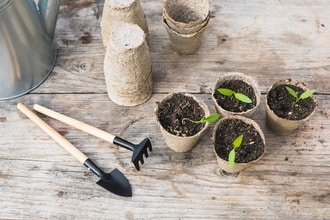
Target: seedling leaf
(226, 92)
(292, 92)
(232, 154)
(238, 141)
(231, 157)
(210, 118)
(239, 96)
(242, 97)
(306, 94)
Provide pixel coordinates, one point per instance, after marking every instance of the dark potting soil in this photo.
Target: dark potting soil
(251, 148)
(172, 111)
(184, 14)
(284, 104)
(230, 103)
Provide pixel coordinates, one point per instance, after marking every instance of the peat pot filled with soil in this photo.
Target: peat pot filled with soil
(250, 148)
(286, 110)
(172, 113)
(236, 94)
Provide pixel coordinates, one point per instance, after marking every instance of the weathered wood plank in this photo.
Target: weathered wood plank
(39, 179)
(267, 40)
(243, 36)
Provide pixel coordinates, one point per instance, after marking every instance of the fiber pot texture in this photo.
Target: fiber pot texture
(252, 148)
(186, 16)
(185, 43)
(238, 82)
(128, 66)
(185, 22)
(283, 113)
(118, 12)
(181, 135)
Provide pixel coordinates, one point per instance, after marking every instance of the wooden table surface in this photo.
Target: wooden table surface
(268, 40)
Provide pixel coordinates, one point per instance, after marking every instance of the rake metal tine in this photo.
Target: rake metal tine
(146, 153)
(136, 164)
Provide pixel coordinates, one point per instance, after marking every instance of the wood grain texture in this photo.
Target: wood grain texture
(268, 40)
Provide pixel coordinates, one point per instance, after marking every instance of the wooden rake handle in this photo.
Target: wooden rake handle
(75, 123)
(64, 143)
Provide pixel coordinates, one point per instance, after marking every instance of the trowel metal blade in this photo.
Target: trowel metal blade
(116, 183)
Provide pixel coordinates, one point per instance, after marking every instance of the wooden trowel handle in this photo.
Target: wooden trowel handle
(53, 134)
(75, 123)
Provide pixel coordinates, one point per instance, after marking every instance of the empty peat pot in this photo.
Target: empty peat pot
(239, 83)
(186, 16)
(284, 113)
(251, 149)
(185, 22)
(185, 43)
(171, 113)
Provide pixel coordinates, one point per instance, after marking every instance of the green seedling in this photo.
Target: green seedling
(239, 96)
(232, 154)
(208, 119)
(303, 95)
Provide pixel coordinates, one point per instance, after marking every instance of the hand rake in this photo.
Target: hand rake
(114, 181)
(138, 149)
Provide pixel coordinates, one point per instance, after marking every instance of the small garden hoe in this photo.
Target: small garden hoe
(138, 149)
(114, 181)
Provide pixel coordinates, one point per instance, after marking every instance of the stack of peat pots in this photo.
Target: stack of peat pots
(185, 22)
(115, 13)
(127, 62)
